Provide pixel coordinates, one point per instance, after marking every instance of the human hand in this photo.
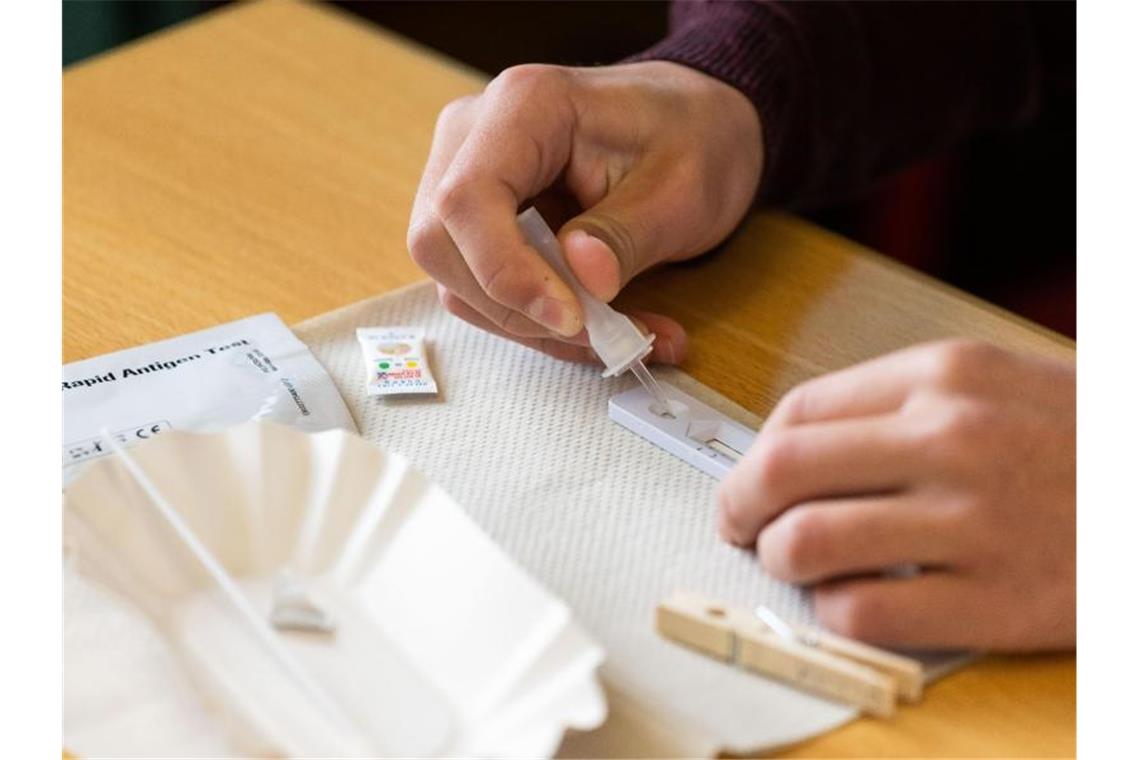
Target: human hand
(650, 162)
(955, 457)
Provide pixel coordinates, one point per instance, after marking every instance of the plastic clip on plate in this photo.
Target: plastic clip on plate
(693, 431)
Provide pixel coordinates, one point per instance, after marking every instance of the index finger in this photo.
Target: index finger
(873, 387)
(825, 460)
(513, 152)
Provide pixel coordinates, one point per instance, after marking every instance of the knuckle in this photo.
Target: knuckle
(454, 110)
(746, 495)
(731, 509)
(794, 551)
(965, 419)
(774, 454)
(982, 518)
(957, 362)
(957, 430)
(852, 613)
(451, 197)
(426, 246)
(795, 403)
(527, 77)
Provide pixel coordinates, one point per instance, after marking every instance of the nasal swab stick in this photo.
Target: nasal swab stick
(230, 591)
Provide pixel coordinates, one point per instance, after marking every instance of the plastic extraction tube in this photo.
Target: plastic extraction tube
(613, 336)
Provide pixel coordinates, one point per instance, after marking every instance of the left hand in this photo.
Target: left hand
(956, 458)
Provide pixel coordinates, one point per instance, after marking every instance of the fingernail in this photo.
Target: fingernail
(555, 315)
(582, 235)
(603, 273)
(667, 352)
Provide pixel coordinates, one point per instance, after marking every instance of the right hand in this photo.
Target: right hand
(649, 162)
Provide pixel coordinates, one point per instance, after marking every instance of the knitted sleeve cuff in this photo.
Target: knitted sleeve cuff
(745, 45)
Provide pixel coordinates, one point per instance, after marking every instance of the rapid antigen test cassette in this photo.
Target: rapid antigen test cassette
(689, 429)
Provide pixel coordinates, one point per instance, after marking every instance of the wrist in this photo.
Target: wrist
(738, 122)
(745, 46)
(716, 121)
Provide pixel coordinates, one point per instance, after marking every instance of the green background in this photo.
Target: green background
(92, 26)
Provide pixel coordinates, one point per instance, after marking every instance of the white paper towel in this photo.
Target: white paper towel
(605, 519)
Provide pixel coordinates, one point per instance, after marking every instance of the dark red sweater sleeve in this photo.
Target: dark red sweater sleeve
(849, 91)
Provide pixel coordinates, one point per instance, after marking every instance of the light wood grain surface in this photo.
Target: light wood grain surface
(264, 158)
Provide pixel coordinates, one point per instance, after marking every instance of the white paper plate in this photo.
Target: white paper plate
(442, 644)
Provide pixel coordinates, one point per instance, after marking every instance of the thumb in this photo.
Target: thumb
(612, 242)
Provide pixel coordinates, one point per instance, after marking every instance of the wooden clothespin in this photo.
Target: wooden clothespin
(823, 663)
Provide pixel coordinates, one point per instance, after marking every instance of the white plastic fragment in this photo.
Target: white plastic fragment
(293, 610)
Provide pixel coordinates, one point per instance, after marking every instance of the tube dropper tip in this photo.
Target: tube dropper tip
(660, 400)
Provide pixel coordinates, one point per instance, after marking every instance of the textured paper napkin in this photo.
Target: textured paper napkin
(605, 519)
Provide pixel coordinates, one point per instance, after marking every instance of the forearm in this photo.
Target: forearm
(849, 91)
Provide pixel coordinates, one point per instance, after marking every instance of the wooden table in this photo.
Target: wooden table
(264, 157)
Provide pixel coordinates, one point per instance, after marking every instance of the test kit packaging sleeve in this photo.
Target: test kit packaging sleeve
(251, 369)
